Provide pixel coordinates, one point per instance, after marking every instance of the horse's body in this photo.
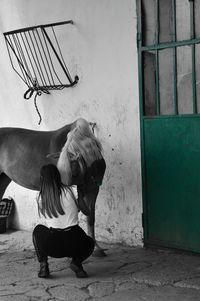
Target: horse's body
(22, 154)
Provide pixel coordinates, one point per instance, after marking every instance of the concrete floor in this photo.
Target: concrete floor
(126, 273)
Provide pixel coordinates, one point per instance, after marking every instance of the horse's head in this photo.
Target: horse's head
(89, 185)
(81, 163)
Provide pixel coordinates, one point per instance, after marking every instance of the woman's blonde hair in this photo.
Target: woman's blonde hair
(82, 146)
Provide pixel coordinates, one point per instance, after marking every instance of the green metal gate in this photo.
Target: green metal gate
(169, 55)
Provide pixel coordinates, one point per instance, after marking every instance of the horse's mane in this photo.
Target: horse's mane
(81, 145)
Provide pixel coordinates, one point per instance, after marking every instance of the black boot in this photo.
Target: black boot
(44, 270)
(43, 260)
(77, 267)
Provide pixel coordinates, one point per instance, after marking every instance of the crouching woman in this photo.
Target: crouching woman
(62, 237)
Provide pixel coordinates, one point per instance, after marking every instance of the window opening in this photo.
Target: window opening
(36, 56)
(168, 45)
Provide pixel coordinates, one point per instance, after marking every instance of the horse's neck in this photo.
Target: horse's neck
(60, 136)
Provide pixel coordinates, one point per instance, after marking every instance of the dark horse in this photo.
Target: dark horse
(73, 148)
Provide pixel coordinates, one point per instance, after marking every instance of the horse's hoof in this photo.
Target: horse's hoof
(99, 253)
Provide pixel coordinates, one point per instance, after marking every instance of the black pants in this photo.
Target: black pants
(72, 242)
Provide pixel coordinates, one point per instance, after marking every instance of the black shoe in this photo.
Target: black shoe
(44, 270)
(78, 269)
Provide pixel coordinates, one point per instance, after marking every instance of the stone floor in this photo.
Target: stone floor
(126, 273)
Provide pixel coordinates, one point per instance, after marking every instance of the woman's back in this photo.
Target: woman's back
(70, 218)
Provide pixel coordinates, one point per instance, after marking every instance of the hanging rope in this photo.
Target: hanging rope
(38, 92)
(35, 103)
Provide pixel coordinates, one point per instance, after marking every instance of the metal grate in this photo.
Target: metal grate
(36, 56)
(153, 79)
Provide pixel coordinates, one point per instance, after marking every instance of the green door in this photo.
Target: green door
(169, 77)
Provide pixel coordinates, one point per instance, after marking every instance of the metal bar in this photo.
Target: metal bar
(31, 52)
(192, 35)
(28, 53)
(157, 32)
(55, 52)
(172, 116)
(35, 46)
(140, 74)
(16, 52)
(8, 48)
(20, 61)
(194, 91)
(171, 45)
(175, 95)
(58, 23)
(38, 47)
(50, 58)
(37, 62)
(140, 59)
(60, 52)
(30, 78)
(157, 84)
(45, 56)
(38, 26)
(52, 87)
(192, 21)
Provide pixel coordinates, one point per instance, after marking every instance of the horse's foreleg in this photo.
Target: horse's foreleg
(4, 182)
(86, 203)
(98, 251)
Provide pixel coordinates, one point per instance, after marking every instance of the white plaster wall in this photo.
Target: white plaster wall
(101, 49)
